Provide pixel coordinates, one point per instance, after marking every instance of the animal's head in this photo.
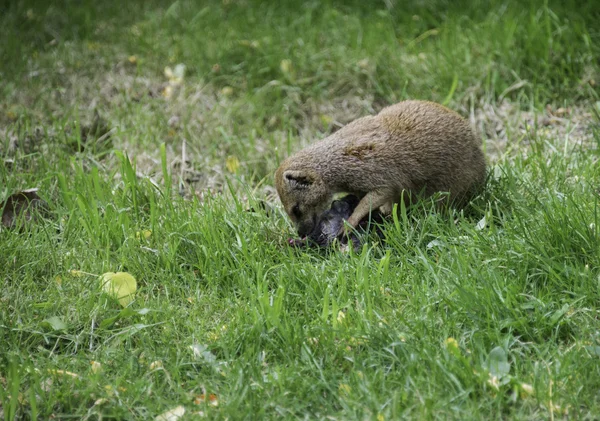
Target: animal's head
(304, 196)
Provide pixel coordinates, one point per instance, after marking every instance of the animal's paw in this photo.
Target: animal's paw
(295, 242)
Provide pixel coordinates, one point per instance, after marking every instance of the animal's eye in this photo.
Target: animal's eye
(296, 211)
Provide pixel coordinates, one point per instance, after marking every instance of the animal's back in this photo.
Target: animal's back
(433, 148)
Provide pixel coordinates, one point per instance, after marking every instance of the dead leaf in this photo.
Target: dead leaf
(227, 91)
(63, 373)
(22, 205)
(119, 285)
(172, 414)
(232, 163)
(286, 66)
(212, 399)
(96, 367)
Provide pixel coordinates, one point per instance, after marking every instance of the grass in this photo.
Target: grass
(485, 314)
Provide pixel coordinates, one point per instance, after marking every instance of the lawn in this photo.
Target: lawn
(152, 130)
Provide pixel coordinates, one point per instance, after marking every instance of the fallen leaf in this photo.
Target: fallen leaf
(232, 163)
(119, 285)
(202, 351)
(167, 92)
(96, 367)
(156, 365)
(493, 382)
(76, 273)
(286, 66)
(212, 399)
(526, 390)
(144, 234)
(451, 344)
(175, 75)
(20, 205)
(227, 91)
(481, 224)
(171, 415)
(344, 389)
(497, 362)
(54, 323)
(64, 373)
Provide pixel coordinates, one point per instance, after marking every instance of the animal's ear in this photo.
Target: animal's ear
(297, 179)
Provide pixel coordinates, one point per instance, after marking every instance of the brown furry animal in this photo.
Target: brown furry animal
(415, 147)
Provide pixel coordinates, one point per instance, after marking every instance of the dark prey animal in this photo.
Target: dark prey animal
(331, 222)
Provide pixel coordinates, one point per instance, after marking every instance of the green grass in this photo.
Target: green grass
(448, 316)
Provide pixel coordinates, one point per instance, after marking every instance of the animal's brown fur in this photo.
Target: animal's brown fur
(418, 147)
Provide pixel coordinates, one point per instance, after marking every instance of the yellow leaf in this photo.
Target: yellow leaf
(132, 59)
(286, 65)
(526, 390)
(175, 75)
(341, 316)
(451, 344)
(344, 389)
(326, 121)
(167, 92)
(96, 366)
(227, 91)
(493, 382)
(119, 285)
(156, 364)
(232, 164)
(172, 414)
(380, 417)
(64, 373)
(145, 234)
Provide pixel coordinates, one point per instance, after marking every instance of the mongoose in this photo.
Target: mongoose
(331, 222)
(415, 147)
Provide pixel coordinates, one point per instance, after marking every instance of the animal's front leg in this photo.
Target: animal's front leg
(370, 202)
